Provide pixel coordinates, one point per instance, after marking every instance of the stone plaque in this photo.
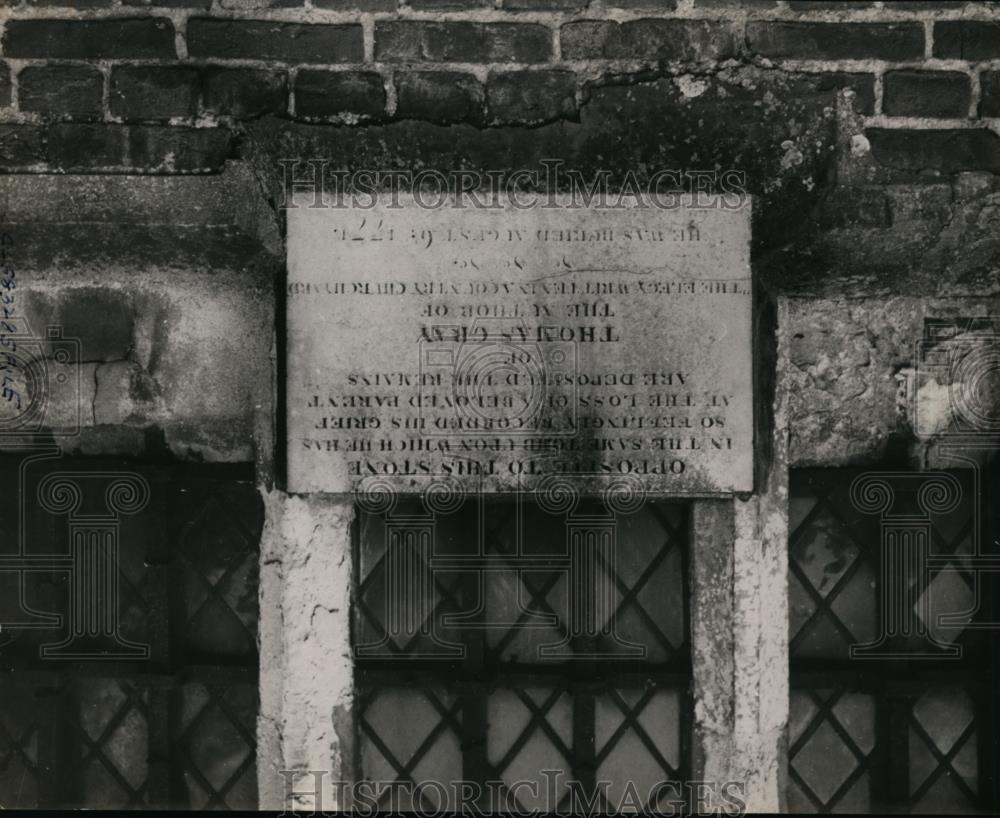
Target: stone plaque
(504, 348)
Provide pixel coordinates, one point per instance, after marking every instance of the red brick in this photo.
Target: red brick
(357, 5)
(324, 94)
(156, 148)
(269, 40)
(749, 5)
(966, 39)
(922, 5)
(203, 5)
(837, 41)
(5, 85)
(90, 39)
(989, 84)
(530, 97)
(243, 93)
(687, 40)
(563, 5)
(827, 5)
(153, 92)
(61, 90)
(946, 151)
(449, 5)
(863, 86)
(21, 146)
(439, 96)
(926, 93)
(461, 41)
(75, 4)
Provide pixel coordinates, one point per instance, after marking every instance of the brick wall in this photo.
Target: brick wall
(166, 85)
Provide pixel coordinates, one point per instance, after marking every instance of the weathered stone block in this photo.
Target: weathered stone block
(125, 395)
(100, 318)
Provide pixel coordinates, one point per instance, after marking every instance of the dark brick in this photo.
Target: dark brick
(160, 92)
(863, 86)
(989, 85)
(87, 146)
(5, 85)
(179, 150)
(530, 97)
(61, 90)
(148, 148)
(457, 5)
(244, 93)
(926, 93)
(322, 94)
(357, 5)
(241, 5)
(837, 41)
(90, 39)
(856, 207)
(439, 96)
(827, 5)
(750, 5)
(260, 39)
(922, 5)
(687, 40)
(944, 151)
(569, 5)
(102, 321)
(21, 146)
(966, 39)
(642, 5)
(461, 41)
(204, 5)
(75, 4)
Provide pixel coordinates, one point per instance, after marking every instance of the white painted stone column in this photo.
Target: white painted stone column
(306, 668)
(739, 616)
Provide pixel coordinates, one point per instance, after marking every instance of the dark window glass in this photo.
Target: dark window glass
(893, 656)
(155, 707)
(497, 639)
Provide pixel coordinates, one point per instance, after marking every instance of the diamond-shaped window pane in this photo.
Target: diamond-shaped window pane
(833, 736)
(530, 730)
(536, 585)
(410, 735)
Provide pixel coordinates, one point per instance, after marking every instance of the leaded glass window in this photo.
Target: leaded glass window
(893, 655)
(543, 649)
(164, 713)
